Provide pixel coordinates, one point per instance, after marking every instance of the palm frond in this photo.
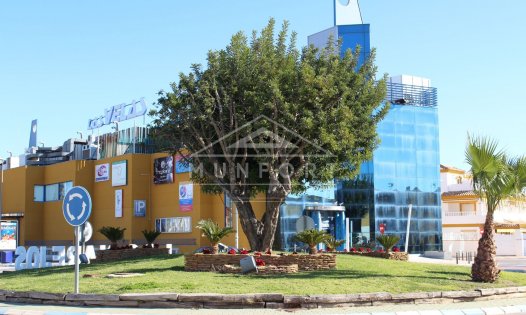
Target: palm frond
(212, 231)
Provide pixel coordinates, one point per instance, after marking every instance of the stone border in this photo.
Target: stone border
(263, 300)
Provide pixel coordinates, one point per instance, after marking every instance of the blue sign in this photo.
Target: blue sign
(77, 206)
(119, 113)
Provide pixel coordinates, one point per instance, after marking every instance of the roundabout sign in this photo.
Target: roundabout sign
(77, 206)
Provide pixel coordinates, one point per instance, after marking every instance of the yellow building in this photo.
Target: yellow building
(32, 195)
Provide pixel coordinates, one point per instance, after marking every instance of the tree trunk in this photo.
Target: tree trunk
(313, 250)
(215, 248)
(260, 233)
(485, 267)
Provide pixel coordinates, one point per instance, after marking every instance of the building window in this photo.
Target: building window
(63, 189)
(229, 217)
(51, 192)
(459, 180)
(38, 194)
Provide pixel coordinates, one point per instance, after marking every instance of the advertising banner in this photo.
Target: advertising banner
(118, 203)
(174, 225)
(186, 197)
(180, 166)
(139, 208)
(163, 170)
(8, 235)
(119, 173)
(102, 172)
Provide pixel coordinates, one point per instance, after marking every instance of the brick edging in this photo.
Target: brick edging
(259, 300)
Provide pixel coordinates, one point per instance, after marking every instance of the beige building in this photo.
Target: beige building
(464, 214)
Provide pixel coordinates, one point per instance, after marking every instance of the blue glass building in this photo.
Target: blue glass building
(404, 171)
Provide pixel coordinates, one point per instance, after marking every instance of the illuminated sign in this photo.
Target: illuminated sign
(119, 113)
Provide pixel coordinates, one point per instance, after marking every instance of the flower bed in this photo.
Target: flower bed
(120, 254)
(380, 254)
(203, 262)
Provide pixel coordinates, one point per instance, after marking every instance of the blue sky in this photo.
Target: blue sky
(64, 62)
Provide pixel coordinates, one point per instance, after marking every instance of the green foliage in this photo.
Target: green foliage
(113, 234)
(495, 176)
(388, 241)
(150, 236)
(332, 243)
(263, 101)
(212, 231)
(312, 237)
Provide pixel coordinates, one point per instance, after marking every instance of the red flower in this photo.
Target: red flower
(353, 250)
(361, 249)
(244, 252)
(232, 251)
(260, 262)
(268, 252)
(369, 250)
(257, 254)
(380, 251)
(206, 251)
(396, 249)
(345, 250)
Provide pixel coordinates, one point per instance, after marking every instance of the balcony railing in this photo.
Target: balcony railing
(463, 214)
(404, 94)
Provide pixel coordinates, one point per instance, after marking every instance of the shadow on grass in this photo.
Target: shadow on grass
(115, 266)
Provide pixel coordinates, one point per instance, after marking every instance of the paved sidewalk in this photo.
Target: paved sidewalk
(510, 306)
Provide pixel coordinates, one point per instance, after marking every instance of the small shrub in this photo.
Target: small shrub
(113, 234)
(388, 241)
(312, 238)
(150, 237)
(332, 243)
(213, 233)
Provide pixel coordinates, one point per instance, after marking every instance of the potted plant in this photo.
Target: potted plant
(113, 234)
(150, 237)
(332, 243)
(312, 238)
(213, 233)
(388, 241)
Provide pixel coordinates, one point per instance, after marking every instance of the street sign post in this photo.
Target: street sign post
(76, 208)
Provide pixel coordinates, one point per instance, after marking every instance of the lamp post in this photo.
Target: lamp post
(1, 187)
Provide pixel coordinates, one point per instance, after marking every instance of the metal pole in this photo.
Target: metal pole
(347, 237)
(351, 228)
(237, 226)
(77, 269)
(408, 226)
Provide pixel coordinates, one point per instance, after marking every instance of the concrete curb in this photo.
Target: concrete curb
(259, 300)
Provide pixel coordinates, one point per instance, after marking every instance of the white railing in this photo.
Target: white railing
(463, 214)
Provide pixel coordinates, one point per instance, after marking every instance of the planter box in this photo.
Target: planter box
(402, 256)
(120, 254)
(202, 262)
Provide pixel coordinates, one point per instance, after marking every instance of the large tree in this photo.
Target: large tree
(495, 178)
(265, 117)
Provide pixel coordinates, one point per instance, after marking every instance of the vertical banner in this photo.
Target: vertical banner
(186, 196)
(163, 170)
(8, 235)
(118, 203)
(180, 166)
(140, 208)
(119, 173)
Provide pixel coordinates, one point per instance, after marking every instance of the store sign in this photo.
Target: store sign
(382, 228)
(36, 257)
(119, 113)
(186, 197)
(174, 225)
(181, 166)
(119, 173)
(139, 208)
(163, 170)
(102, 172)
(8, 235)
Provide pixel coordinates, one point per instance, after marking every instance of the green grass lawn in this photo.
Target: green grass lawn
(166, 274)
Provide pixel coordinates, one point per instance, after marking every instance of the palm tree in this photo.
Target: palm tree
(113, 234)
(213, 233)
(332, 243)
(495, 177)
(388, 241)
(312, 238)
(150, 237)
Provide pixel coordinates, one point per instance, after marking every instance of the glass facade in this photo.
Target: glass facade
(294, 208)
(405, 171)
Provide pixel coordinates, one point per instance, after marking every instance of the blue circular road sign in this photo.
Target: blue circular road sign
(76, 206)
